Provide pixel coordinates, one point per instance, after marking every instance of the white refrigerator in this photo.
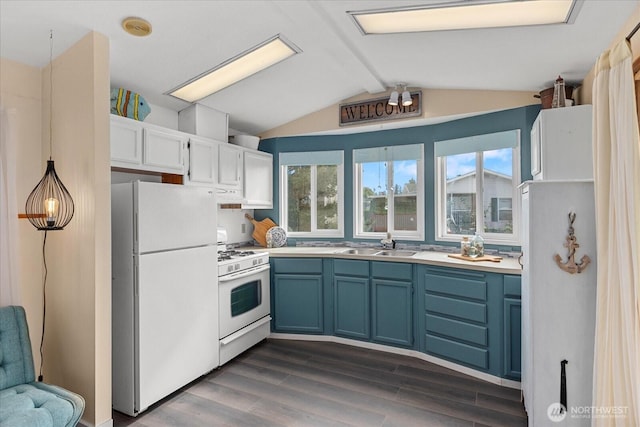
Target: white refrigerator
(558, 308)
(164, 290)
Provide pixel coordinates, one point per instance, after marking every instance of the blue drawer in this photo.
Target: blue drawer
(512, 286)
(456, 329)
(297, 265)
(468, 310)
(457, 286)
(392, 270)
(452, 350)
(348, 267)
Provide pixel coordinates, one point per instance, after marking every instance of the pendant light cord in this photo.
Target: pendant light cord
(44, 303)
(44, 242)
(50, 94)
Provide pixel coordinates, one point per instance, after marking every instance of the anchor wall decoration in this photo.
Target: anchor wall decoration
(572, 244)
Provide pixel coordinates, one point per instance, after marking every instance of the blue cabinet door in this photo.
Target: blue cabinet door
(351, 307)
(512, 338)
(298, 303)
(392, 312)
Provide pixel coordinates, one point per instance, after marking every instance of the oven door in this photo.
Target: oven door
(244, 297)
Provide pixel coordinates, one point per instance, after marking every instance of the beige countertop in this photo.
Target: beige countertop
(506, 266)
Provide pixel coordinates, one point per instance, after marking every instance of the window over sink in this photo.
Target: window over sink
(476, 190)
(389, 192)
(312, 193)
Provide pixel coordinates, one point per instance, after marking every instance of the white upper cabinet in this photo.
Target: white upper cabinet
(163, 150)
(258, 180)
(229, 173)
(561, 144)
(139, 146)
(126, 143)
(202, 162)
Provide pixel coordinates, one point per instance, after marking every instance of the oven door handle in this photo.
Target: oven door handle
(242, 274)
(244, 331)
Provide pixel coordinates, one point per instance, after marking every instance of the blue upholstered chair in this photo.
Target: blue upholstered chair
(23, 401)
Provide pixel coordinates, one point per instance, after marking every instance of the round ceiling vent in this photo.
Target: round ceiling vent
(136, 26)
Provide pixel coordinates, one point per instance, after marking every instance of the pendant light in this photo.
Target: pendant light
(406, 98)
(50, 206)
(393, 99)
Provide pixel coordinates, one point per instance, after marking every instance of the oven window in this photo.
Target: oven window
(245, 297)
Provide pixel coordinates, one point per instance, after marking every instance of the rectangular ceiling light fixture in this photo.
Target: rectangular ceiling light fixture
(466, 15)
(240, 67)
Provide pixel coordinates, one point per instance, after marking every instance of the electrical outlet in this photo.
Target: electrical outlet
(244, 228)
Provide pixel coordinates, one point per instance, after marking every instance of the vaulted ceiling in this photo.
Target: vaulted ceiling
(337, 61)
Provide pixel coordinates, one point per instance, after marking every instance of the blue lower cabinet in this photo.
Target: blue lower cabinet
(351, 307)
(512, 324)
(468, 317)
(392, 314)
(298, 303)
(462, 317)
(297, 295)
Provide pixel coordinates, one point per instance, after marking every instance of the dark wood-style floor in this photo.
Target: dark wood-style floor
(304, 383)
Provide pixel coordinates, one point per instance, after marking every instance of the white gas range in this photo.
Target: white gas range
(244, 298)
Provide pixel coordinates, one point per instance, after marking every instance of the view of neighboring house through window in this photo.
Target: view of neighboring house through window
(311, 193)
(477, 186)
(389, 192)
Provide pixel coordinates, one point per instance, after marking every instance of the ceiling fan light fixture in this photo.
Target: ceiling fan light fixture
(248, 63)
(466, 15)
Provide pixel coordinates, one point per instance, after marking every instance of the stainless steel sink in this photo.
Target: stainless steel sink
(358, 251)
(398, 253)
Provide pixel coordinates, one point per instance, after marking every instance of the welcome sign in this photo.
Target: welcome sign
(373, 110)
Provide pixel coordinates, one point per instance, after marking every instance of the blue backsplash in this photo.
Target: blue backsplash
(518, 118)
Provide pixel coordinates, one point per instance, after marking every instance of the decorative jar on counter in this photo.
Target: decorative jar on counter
(478, 243)
(465, 245)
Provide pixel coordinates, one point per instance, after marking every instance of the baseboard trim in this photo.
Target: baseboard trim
(404, 352)
(108, 423)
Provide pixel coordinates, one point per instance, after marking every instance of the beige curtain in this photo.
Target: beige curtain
(9, 284)
(617, 190)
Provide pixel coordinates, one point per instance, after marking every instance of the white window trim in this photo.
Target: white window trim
(490, 238)
(284, 212)
(417, 235)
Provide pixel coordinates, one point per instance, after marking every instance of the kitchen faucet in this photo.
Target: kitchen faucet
(388, 242)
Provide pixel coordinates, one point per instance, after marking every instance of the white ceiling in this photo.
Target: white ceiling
(337, 61)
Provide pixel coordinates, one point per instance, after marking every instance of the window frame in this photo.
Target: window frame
(419, 233)
(284, 202)
(440, 195)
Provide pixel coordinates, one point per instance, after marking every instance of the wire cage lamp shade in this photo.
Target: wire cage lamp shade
(49, 206)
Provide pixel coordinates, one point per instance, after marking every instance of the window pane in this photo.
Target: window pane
(327, 200)
(374, 196)
(405, 188)
(498, 190)
(299, 198)
(461, 193)
(405, 215)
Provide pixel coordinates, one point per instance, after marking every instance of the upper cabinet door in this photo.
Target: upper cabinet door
(163, 150)
(203, 162)
(258, 180)
(229, 166)
(126, 143)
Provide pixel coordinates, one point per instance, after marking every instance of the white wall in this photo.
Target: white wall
(162, 117)
(233, 220)
(77, 346)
